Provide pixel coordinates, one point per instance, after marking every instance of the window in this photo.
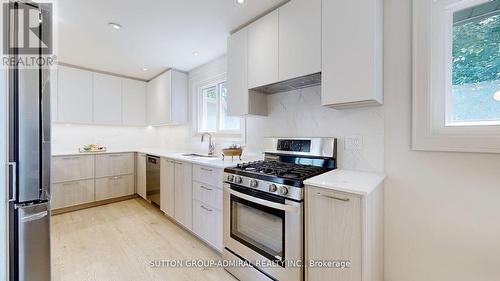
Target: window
(475, 90)
(456, 75)
(212, 110)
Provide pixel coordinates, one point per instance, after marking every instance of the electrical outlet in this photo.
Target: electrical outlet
(354, 142)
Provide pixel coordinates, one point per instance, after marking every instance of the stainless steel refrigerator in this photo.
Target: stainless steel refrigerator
(29, 161)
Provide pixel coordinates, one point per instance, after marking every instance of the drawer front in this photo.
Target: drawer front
(107, 165)
(72, 168)
(72, 193)
(207, 224)
(112, 187)
(207, 194)
(208, 175)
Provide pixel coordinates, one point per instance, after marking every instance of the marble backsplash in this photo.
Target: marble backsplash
(299, 113)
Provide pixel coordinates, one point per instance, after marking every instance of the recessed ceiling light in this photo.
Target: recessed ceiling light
(241, 2)
(496, 96)
(195, 54)
(114, 25)
(144, 69)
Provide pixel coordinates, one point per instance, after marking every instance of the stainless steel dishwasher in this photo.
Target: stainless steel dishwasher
(153, 179)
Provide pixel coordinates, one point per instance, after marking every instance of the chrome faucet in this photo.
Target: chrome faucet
(211, 145)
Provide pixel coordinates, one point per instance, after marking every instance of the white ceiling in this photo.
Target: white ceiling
(156, 34)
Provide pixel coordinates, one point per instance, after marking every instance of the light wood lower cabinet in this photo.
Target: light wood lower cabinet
(167, 186)
(107, 165)
(183, 193)
(207, 223)
(344, 227)
(72, 168)
(115, 186)
(72, 193)
(141, 175)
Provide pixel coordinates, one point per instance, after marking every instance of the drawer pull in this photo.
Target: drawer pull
(206, 169)
(179, 163)
(70, 158)
(115, 155)
(206, 209)
(116, 178)
(206, 188)
(335, 198)
(69, 183)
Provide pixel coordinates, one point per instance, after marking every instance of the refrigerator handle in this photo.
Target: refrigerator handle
(13, 180)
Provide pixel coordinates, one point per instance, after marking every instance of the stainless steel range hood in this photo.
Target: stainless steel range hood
(290, 85)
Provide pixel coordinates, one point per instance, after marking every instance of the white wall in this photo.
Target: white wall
(442, 210)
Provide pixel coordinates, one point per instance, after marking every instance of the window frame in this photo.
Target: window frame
(432, 62)
(198, 93)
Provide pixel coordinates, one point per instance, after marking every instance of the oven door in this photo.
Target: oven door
(264, 229)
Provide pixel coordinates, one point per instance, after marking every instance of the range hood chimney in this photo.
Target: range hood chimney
(290, 85)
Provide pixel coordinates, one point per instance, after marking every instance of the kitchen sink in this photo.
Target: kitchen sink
(200, 155)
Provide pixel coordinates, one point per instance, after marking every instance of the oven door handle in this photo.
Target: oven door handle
(283, 207)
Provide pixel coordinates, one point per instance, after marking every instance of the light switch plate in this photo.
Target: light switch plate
(354, 142)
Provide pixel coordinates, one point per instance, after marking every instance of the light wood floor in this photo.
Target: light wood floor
(117, 242)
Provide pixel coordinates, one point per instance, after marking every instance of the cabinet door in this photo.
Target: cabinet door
(183, 194)
(333, 232)
(299, 38)
(114, 164)
(72, 193)
(179, 91)
(352, 56)
(107, 99)
(72, 168)
(133, 102)
(167, 186)
(141, 175)
(237, 73)
(114, 187)
(74, 100)
(263, 51)
(159, 99)
(207, 224)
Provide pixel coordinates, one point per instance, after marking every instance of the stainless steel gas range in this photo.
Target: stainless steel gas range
(264, 208)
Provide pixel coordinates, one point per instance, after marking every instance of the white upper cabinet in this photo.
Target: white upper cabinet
(299, 38)
(237, 75)
(133, 102)
(241, 101)
(107, 99)
(167, 99)
(263, 51)
(352, 53)
(74, 95)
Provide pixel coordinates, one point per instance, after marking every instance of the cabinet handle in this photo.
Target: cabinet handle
(69, 183)
(179, 163)
(335, 198)
(116, 178)
(206, 188)
(115, 155)
(69, 158)
(206, 169)
(205, 208)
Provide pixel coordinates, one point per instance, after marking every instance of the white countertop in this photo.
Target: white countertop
(362, 183)
(215, 162)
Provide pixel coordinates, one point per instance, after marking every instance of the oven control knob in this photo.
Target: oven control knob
(230, 178)
(238, 179)
(254, 183)
(283, 190)
(273, 188)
